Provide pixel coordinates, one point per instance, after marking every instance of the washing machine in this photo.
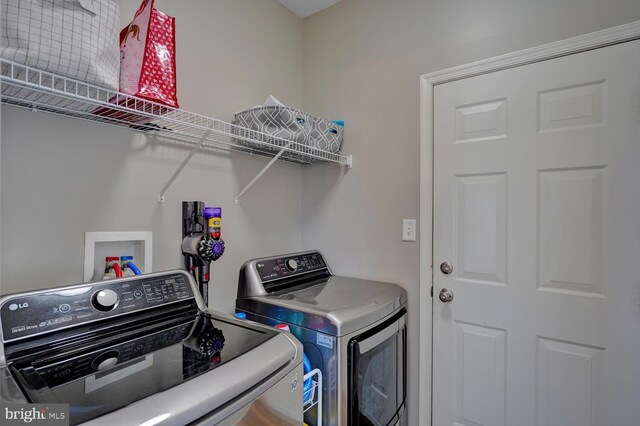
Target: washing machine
(353, 330)
(145, 350)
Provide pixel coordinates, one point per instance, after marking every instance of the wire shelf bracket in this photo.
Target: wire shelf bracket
(259, 175)
(175, 175)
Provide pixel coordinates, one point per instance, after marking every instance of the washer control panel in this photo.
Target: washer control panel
(45, 311)
(284, 267)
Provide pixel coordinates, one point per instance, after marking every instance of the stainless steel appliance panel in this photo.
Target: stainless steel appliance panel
(144, 350)
(327, 313)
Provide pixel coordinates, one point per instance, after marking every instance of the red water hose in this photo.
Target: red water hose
(117, 269)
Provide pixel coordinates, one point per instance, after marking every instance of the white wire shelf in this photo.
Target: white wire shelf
(39, 90)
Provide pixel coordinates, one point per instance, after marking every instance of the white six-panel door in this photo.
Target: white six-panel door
(537, 208)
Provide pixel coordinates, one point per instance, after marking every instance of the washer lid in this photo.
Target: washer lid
(337, 306)
(102, 379)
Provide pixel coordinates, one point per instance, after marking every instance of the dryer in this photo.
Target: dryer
(353, 330)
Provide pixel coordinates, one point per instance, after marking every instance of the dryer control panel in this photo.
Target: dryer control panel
(259, 277)
(287, 266)
(45, 311)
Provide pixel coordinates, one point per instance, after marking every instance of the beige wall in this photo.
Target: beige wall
(362, 62)
(62, 177)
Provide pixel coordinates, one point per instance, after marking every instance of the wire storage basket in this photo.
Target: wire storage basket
(313, 396)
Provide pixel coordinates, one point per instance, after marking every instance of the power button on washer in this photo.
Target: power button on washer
(64, 308)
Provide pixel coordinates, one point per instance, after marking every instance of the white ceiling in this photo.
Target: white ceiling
(304, 8)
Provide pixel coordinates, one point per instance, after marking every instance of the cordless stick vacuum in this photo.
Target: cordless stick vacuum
(201, 241)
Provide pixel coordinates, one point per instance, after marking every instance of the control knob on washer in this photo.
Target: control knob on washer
(292, 265)
(105, 360)
(104, 300)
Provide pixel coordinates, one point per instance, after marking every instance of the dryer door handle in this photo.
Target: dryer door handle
(378, 338)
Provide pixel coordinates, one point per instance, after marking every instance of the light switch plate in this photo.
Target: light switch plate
(409, 230)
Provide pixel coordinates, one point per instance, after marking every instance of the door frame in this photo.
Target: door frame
(595, 40)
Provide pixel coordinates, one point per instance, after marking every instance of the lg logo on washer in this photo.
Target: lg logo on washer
(16, 306)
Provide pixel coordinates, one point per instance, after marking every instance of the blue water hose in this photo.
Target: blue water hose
(134, 268)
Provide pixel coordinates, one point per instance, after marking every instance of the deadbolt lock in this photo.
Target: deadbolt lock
(446, 268)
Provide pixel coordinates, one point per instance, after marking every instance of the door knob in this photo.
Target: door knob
(446, 268)
(445, 296)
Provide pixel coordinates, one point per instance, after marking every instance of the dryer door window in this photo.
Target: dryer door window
(377, 373)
